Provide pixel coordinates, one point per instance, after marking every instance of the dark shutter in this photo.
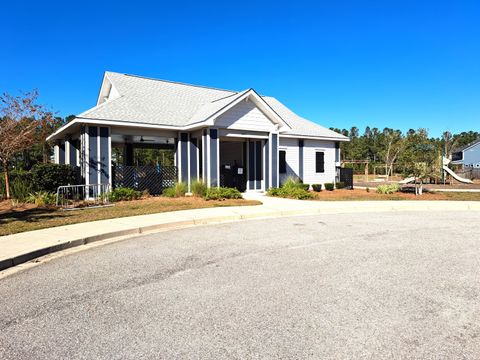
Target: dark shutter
(283, 161)
(320, 162)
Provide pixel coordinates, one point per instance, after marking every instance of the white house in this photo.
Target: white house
(230, 138)
(468, 156)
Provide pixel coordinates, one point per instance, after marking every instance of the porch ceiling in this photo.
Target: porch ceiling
(141, 139)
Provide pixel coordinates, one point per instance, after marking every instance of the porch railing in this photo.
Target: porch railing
(154, 179)
(77, 196)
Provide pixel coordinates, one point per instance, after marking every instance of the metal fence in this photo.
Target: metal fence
(346, 176)
(154, 179)
(77, 196)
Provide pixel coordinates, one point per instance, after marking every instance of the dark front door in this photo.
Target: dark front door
(233, 176)
(232, 164)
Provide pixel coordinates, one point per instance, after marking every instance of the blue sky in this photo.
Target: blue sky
(402, 64)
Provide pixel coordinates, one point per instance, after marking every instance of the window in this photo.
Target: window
(320, 162)
(282, 162)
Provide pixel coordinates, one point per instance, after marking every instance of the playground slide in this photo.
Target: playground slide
(456, 177)
(407, 180)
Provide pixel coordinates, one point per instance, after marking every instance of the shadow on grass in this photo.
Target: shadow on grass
(31, 215)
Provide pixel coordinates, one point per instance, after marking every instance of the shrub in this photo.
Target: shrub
(198, 188)
(48, 177)
(295, 183)
(169, 192)
(340, 185)
(329, 186)
(42, 198)
(290, 192)
(388, 188)
(20, 184)
(274, 192)
(290, 182)
(124, 194)
(222, 193)
(298, 193)
(292, 188)
(178, 190)
(20, 188)
(305, 187)
(317, 187)
(367, 189)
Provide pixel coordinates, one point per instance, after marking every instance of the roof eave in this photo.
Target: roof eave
(314, 137)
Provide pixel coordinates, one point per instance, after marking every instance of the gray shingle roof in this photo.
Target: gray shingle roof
(159, 102)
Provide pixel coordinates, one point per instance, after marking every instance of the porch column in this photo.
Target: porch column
(71, 148)
(60, 152)
(273, 140)
(193, 159)
(300, 159)
(266, 171)
(182, 159)
(213, 149)
(98, 155)
(204, 156)
(128, 154)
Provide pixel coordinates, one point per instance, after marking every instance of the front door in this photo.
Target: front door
(232, 164)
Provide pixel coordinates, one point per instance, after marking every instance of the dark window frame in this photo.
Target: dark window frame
(319, 162)
(282, 161)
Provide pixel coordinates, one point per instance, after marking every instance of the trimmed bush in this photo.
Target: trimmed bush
(329, 186)
(222, 193)
(124, 194)
(317, 187)
(198, 188)
(48, 177)
(388, 188)
(340, 185)
(305, 187)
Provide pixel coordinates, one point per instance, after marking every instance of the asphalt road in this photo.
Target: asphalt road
(393, 285)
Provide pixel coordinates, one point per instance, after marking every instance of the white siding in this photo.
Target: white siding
(245, 116)
(309, 174)
(471, 157)
(291, 156)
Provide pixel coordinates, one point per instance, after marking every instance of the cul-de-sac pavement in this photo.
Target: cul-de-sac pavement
(365, 285)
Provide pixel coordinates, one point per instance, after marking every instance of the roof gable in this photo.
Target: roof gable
(245, 115)
(137, 100)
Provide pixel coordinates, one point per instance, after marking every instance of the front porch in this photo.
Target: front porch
(154, 159)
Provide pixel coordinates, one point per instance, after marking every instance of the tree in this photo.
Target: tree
(392, 143)
(421, 157)
(21, 119)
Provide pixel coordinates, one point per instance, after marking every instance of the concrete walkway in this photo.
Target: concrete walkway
(19, 248)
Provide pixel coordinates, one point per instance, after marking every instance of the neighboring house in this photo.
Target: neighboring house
(226, 138)
(468, 156)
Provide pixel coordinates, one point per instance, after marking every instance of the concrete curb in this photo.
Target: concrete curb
(238, 215)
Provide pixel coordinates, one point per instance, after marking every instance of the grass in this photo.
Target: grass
(29, 217)
(363, 195)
